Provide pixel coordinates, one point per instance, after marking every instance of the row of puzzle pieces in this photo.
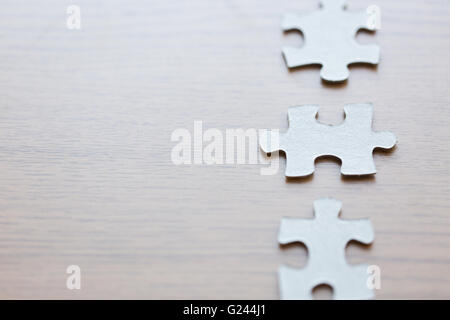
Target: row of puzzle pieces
(330, 42)
(326, 236)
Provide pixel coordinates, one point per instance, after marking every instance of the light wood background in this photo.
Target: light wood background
(85, 172)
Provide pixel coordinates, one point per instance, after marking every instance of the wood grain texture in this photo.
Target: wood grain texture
(85, 171)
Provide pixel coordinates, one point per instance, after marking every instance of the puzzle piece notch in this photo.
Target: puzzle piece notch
(326, 237)
(306, 139)
(330, 40)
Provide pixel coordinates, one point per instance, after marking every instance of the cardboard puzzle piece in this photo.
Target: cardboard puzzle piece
(329, 40)
(326, 237)
(353, 141)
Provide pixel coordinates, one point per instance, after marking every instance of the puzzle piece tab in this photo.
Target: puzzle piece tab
(353, 141)
(329, 35)
(326, 237)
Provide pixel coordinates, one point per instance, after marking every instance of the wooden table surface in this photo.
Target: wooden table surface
(86, 176)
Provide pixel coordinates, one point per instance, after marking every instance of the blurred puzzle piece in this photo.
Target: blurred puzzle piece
(329, 35)
(326, 237)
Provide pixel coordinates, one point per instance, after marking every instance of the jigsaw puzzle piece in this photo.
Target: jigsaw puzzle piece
(330, 39)
(353, 141)
(326, 237)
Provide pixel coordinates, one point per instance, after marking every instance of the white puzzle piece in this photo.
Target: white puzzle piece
(329, 35)
(326, 237)
(353, 141)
